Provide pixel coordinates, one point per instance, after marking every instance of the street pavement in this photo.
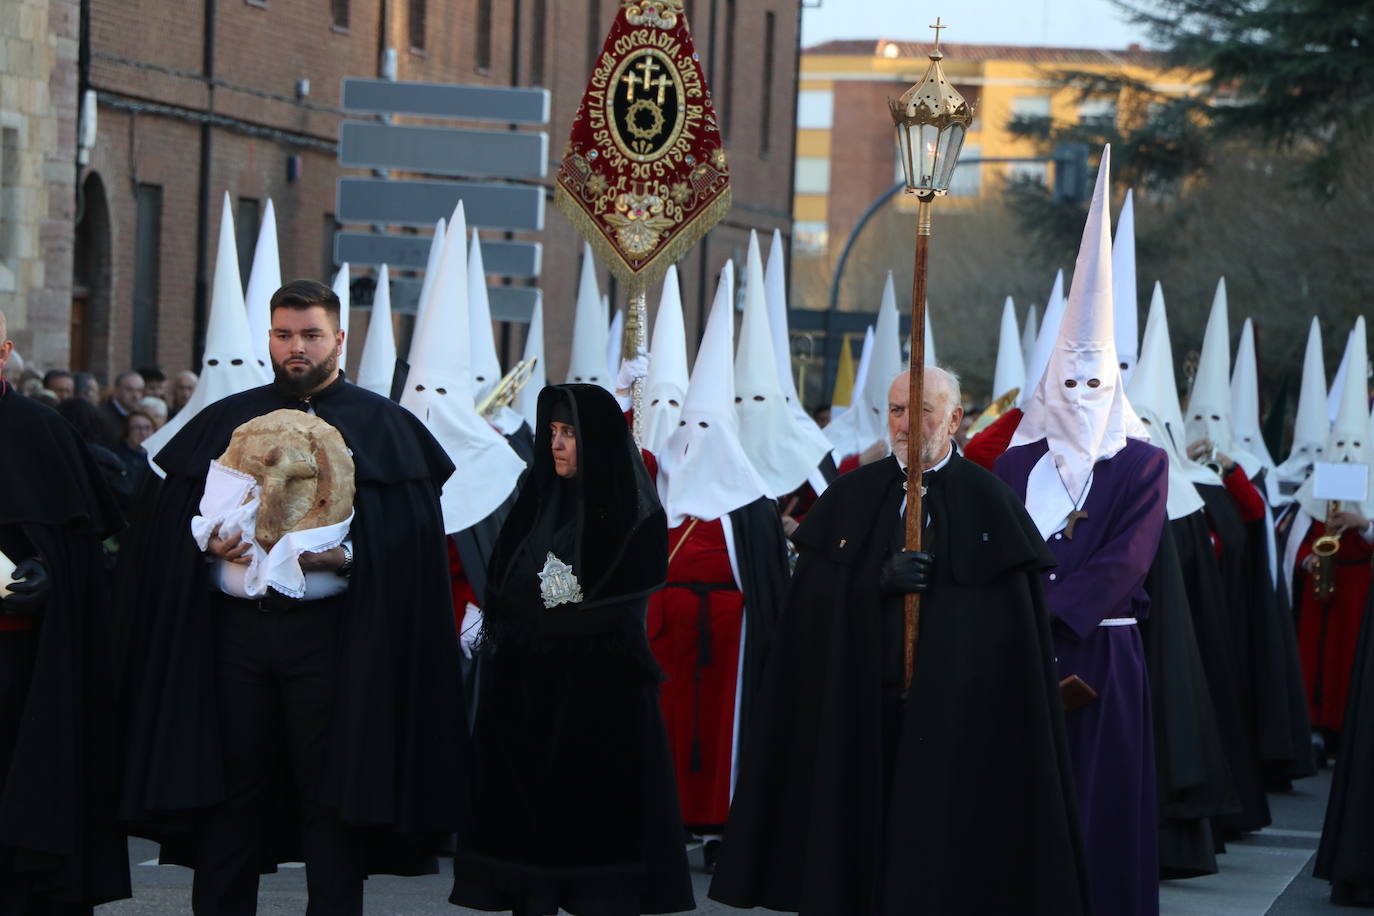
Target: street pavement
(1267, 874)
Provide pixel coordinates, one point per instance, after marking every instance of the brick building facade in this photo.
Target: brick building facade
(199, 98)
(38, 118)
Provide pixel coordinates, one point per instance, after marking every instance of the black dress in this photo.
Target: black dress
(576, 806)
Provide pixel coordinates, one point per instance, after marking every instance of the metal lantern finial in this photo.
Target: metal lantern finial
(931, 119)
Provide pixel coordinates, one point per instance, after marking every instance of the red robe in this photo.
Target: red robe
(695, 626)
(985, 448)
(1328, 632)
(459, 585)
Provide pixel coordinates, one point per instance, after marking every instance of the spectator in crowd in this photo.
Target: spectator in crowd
(137, 427)
(154, 382)
(87, 387)
(46, 397)
(90, 425)
(154, 406)
(821, 414)
(182, 387)
(128, 391)
(60, 382)
(14, 369)
(30, 383)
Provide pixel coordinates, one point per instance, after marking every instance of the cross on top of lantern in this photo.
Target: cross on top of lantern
(931, 119)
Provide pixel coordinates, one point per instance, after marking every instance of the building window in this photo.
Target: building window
(1099, 114)
(539, 40)
(147, 272)
(1031, 112)
(483, 55)
(1037, 172)
(247, 215)
(770, 26)
(727, 112)
(340, 10)
(595, 38)
(815, 109)
(9, 208)
(967, 180)
(810, 238)
(417, 25)
(813, 175)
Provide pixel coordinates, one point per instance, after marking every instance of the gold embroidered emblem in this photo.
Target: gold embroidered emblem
(557, 584)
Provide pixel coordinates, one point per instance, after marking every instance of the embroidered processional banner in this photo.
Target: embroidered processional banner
(644, 175)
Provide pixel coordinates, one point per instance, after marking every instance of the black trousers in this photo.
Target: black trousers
(277, 674)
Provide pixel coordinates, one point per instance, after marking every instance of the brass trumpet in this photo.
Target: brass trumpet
(1324, 549)
(506, 390)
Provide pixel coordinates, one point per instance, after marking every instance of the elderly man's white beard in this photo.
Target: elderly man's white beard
(932, 449)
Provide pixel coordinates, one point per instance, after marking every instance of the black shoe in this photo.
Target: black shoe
(710, 852)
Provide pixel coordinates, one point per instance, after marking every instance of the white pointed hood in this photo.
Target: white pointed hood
(343, 289)
(615, 343)
(426, 300)
(780, 449)
(865, 422)
(1084, 423)
(1333, 398)
(1124, 304)
(486, 366)
(1153, 393)
(666, 387)
(230, 364)
(438, 390)
(1028, 335)
(1310, 425)
(588, 363)
(1247, 436)
(1209, 403)
(1044, 340)
(527, 401)
(1010, 371)
(703, 471)
(378, 365)
(856, 385)
(263, 280)
(930, 358)
(1349, 437)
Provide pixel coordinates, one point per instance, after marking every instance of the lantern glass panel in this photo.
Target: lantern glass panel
(928, 152)
(904, 156)
(951, 144)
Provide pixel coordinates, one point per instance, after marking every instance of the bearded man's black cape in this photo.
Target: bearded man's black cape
(1190, 757)
(1346, 854)
(400, 763)
(58, 791)
(982, 769)
(576, 805)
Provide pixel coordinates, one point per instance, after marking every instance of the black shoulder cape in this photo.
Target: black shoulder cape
(982, 767)
(761, 552)
(57, 803)
(569, 736)
(400, 747)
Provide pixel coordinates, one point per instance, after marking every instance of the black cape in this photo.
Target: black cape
(57, 803)
(576, 806)
(401, 753)
(1346, 854)
(1194, 777)
(1264, 650)
(982, 767)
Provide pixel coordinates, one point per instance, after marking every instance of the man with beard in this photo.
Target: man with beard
(857, 795)
(60, 851)
(276, 729)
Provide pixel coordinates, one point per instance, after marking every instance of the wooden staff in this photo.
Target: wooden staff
(915, 413)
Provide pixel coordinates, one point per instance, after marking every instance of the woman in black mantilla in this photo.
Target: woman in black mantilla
(575, 802)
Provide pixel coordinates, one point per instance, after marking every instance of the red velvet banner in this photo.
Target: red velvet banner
(644, 175)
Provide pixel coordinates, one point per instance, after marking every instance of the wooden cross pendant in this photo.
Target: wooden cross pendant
(1074, 518)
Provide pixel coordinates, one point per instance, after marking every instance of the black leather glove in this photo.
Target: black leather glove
(29, 591)
(906, 572)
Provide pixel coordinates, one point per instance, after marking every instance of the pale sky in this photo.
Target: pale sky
(1073, 23)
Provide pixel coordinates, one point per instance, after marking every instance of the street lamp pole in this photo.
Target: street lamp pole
(931, 120)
